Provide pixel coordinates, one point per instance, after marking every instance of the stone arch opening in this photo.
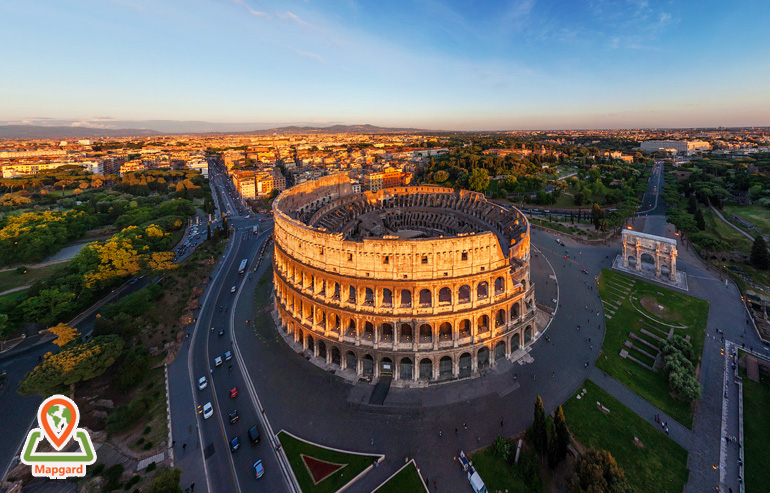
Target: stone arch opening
(406, 298)
(500, 318)
(500, 350)
(336, 356)
(336, 295)
(425, 298)
(445, 296)
(499, 285)
(515, 311)
(405, 369)
(464, 329)
(351, 329)
(406, 333)
(426, 333)
(310, 344)
(352, 294)
(483, 357)
(387, 333)
(647, 258)
(482, 290)
(445, 332)
(369, 297)
(465, 365)
(334, 322)
(321, 349)
(321, 319)
(369, 331)
(350, 361)
(386, 367)
(482, 324)
(464, 294)
(528, 334)
(426, 369)
(387, 297)
(515, 342)
(445, 367)
(368, 365)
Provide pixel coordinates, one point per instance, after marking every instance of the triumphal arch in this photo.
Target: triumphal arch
(650, 256)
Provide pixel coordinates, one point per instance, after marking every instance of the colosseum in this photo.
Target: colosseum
(419, 283)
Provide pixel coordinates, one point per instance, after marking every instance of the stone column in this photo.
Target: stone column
(672, 268)
(625, 252)
(474, 363)
(396, 370)
(415, 370)
(455, 366)
(638, 258)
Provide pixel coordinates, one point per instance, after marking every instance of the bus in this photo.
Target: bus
(242, 268)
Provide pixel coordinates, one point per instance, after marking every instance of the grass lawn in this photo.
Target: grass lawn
(496, 473)
(755, 214)
(660, 465)
(10, 279)
(722, 230)
(355, 464)
(680, 309)
(407, 480)
(756, 433)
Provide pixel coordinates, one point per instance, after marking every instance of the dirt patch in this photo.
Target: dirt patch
(659, 310)
(320, 469)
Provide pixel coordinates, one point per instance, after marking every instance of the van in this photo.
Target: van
(254, 436)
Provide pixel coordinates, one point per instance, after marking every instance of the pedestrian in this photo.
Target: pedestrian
(515, 376)
(192, 487)
(501, 422)
(455, 431)
(553, 374)
(184, 446)
(465, 426)
(173, 444)
(589, 339)
(434, 485)
(666, 430)
(533, 376)
(439, 433)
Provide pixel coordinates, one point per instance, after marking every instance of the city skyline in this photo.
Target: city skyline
(430, 65)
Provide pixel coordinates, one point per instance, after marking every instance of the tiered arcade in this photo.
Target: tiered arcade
(430, 282)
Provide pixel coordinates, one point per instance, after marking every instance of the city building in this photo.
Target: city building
(687, 147)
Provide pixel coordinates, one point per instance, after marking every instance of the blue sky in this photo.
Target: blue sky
(523, 64)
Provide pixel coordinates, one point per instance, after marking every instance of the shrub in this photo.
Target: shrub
(98, 468)
(112, 477)
(147, 430)
(131, 482)
(124, 417)
(151, 466)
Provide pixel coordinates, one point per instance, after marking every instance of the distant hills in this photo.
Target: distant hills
(55, 132)
(72, 132)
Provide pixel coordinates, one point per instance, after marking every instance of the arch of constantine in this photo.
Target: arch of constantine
(419, 283)
(650, 256)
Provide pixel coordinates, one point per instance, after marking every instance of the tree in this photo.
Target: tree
(700, 222)
(65, 334)
(479, 180)
(166, 481)
(597, 215)
(692, 204)
(562, 434)
(47, 306)
(759, 256)
(539, 428)
(597, 471)
(72, 365)
(440, 176)
(3, 325)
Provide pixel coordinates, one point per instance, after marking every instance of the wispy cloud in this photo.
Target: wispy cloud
(291, 16)
(308, 54)
(254, 12)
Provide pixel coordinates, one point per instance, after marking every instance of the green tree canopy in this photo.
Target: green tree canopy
(596, 471)
(478, 180)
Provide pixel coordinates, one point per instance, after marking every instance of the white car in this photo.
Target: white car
(218, 361)
(202, 383)
(232, 290)
(208, 410)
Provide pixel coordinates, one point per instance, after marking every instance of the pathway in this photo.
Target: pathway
(736, 228)
(17, 288)
(677, 431)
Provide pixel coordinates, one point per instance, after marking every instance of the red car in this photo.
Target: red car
(233, 392)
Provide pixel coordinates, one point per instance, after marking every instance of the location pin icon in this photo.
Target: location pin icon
(60, 436)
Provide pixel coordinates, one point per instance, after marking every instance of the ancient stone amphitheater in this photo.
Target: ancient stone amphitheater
(420, 283)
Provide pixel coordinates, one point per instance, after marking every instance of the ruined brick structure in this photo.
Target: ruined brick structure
(425, 283)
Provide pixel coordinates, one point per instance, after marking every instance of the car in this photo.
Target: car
(234, 417)
(254, 435)
(228, 355)
(235, 444)
(202, 383)
(232, 290)
(233, 392)
(221, 332)
(133, 281)
(259, 471)
(208, 410)
(218, 361)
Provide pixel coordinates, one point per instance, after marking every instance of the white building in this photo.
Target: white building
(687, 147)
(200, 164)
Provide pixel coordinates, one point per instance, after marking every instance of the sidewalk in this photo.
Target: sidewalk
(677, 431)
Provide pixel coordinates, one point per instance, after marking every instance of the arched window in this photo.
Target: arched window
(464, 294)
(425, 298)
(499, 285)
(445, 296)
(352, 294)
(387, 297)
(369, 297)
(482, 290)
(406, 298)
